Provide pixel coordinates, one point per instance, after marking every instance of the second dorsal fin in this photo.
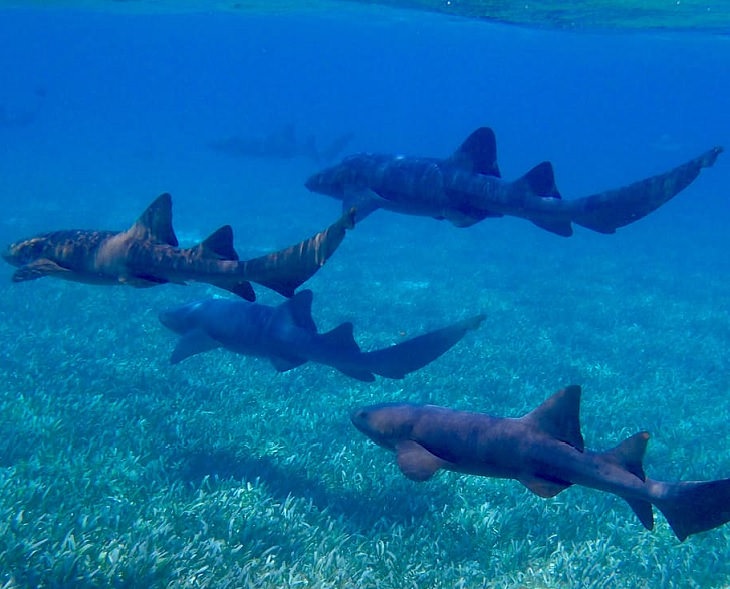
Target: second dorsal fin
(218, 245)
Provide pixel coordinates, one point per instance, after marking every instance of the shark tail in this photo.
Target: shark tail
(607, 211)
(284, 271)
(692, 507)
(401, 359)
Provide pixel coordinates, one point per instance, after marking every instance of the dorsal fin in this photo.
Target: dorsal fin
(559, 417)
(630, 454)
(541, 180)
(155, 224)
(342, 337)
(218, 245)
(478, 153)
(298, 310)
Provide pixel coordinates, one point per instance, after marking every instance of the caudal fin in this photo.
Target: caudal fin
(607, 211)
(284, 271)
(410, 355)
(693, 507)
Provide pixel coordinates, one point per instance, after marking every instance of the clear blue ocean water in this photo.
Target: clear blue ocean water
(102, 112)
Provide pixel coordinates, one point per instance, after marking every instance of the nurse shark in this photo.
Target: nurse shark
(544, 450)
(287, 335)
(147, 254)
(466, 188)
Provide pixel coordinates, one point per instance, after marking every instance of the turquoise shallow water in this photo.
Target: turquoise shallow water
(118, 469)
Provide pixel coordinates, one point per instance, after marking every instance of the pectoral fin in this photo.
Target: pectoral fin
(417, 463)
(38, 269)
(193, 342)
(363, 200)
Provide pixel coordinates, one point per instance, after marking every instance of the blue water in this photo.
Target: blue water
(124, 107)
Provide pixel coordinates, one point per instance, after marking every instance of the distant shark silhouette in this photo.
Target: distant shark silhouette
(543, 450)
(147, 254)
(287, 335)
(283, 144)
(466, 188)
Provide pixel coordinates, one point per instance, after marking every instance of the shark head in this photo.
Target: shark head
(26, 251)
(335, 180)
(183, 318)
(387, 424)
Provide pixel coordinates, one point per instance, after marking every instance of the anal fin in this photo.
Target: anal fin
(358, 374)
(282, 364)
(543, 487)
(643, 511)
(562, 228)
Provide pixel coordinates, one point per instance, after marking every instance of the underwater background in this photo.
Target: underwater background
(118, 469)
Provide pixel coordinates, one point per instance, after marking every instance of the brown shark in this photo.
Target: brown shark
(544, 450)
(467, 187)
(147, 254)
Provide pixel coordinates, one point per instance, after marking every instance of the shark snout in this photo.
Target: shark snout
(11, 254)
(359, 419)
(313, 183)
(328, 182)
(166, 318)
(180, 319)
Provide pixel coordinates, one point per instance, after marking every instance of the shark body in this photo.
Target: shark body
(287, 335)
(282, 144)
(466, 188)
(147, 254)
(544, 450)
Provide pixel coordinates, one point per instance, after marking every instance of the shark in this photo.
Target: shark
(467, 187)
(282, 144)
(287, 335)
(544, 450)
(147, 254)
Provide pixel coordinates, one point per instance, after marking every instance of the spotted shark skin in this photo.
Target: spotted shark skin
(147, 254)
(467, 187)
(544, 450)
